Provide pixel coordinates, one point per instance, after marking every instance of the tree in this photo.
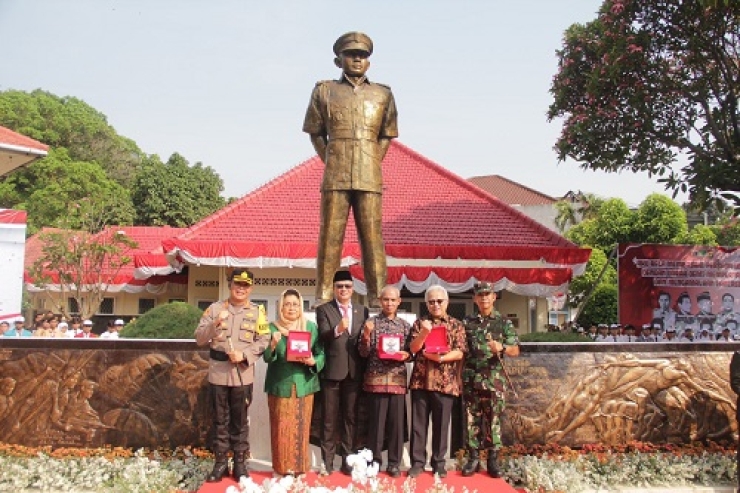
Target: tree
(81, 263)
(575, 207)
(592, 278)
(49, 186)
(614, 223)
(648, 81)
(602, 307)
(659, 220)
(175, 193)
(71, 123)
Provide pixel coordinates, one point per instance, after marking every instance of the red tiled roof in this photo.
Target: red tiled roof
(10, 138)
(423, 204)
(510, 192)
(148, 238)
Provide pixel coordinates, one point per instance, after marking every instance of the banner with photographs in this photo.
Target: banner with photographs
(691, 290)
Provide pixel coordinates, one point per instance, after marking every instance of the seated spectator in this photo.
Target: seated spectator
(112, 332)
(63, 331)
(42, 329)
(19, 329)
(4, 327)
(87, 332)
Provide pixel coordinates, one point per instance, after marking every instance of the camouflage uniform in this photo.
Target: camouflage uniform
(484, 383)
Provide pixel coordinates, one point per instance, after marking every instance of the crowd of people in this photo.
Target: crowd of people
(50, 325)
(348, 351)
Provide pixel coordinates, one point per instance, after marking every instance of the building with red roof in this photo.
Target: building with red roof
(126, 295)
(533, 203)
(438, 229)
(17, 150)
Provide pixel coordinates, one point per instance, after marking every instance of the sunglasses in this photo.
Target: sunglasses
(435, 302)
(343, 286)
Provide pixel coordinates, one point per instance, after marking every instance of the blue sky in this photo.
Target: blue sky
(227, 82)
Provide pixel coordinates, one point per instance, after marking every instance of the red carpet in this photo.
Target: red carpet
(480, 482)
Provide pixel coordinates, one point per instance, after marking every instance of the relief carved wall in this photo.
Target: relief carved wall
(574, 398)
(136, 393)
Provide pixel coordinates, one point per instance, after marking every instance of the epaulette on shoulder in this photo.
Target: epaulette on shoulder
(383, 85)
(322, 82)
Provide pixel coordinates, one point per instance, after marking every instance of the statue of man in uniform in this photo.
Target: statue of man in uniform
(351, 122)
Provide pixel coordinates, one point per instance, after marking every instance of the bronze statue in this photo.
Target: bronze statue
(351, 122)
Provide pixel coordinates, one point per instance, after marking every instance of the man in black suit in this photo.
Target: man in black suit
(340, 324)
(735, 384)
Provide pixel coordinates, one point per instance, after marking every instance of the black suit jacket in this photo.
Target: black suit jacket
(735, 378)
(342, 357)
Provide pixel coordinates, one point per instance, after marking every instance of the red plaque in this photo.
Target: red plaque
(298, 345)
(437, 340)
(390, 346)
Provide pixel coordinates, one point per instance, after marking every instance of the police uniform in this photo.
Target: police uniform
(247, 331)
(484, 382)
(353, 117)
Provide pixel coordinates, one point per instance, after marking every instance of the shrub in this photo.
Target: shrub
(175, 320)
(553, 337)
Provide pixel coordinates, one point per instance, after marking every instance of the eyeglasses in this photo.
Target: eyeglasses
(343, 286)
(435, 302)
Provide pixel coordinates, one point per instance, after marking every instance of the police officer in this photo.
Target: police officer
(238, 333)
(351, 122)
(490, 338)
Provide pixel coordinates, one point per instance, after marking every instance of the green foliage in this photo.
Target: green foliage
(175, 320)
(88, 159)
(659, 220)
(553, 337)
(647, 81)
(601, 307)
(50, 186)
(175, 193)
(583, 284)
(727, 232)
(699, 235)
(614, 223)
(70, 123)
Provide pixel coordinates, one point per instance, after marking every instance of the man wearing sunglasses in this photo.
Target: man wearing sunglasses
(237, 332)
(340, 324)
(435, 380)
(490, 338)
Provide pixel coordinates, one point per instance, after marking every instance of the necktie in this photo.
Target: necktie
(345, 314)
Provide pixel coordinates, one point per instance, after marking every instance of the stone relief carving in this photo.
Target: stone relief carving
(620, 397)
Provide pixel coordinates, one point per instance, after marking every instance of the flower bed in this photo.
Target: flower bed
(540, 469)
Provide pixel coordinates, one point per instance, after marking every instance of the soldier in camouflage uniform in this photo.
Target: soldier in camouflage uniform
(490, 337)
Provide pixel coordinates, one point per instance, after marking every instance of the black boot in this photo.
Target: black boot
(240, 465)
(492, 463)
(220, 468)
(471, 466)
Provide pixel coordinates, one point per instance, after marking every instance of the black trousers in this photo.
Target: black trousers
(386, 415)
(426, 403)
(340, 414)
(231, 418)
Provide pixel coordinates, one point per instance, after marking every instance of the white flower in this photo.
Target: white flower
(366, 454)
(372, 470)
(247, 485)
(233, 489)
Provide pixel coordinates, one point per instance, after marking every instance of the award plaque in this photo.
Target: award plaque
(390, 346)
(437, 340)
(298, 345)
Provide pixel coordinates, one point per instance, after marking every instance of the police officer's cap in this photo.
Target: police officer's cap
(242, 275)
(353, 41)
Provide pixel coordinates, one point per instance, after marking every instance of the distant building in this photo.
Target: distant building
(537, 205)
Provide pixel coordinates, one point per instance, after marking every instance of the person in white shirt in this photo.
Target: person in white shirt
(113, 328)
